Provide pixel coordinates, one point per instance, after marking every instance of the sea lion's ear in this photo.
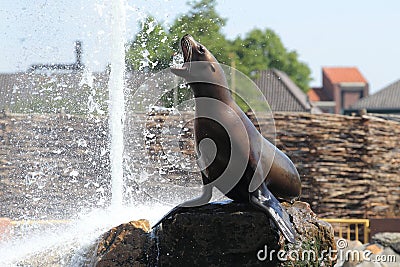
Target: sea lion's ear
(212, 67)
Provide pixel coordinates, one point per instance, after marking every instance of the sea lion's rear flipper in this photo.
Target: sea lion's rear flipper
(201, 200)
(266, 201)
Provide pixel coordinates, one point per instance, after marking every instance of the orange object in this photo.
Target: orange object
(5, 227)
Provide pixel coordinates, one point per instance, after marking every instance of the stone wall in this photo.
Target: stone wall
(49, 163)
(350, 166)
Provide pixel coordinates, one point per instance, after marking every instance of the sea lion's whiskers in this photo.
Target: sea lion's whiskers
(189, 50)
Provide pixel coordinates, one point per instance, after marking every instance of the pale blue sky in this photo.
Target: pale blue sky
(324, 33)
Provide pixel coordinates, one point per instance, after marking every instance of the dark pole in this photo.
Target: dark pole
(78, 53)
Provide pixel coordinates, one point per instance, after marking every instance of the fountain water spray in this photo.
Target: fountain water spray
(66, 244)
(117, 101)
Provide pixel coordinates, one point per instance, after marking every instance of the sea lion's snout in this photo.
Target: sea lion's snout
(198, 62)
(191, 49)
(186, 48)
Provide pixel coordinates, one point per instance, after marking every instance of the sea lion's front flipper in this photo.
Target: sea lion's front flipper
(201, 200)
(263, 199)
(169, 214)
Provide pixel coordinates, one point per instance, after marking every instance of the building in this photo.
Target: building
(76, 92)
(341, 88)
(282, 93)
(49, 91)
(76, 66)
(385, 101)
(317, 97)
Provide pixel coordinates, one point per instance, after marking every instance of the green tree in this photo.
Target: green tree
(205, 25)
(154, 46)
(261, 50)
(151, 47)
(298, 71)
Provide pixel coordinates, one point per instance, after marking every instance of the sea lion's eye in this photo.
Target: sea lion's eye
(201, 49)
(212, 67)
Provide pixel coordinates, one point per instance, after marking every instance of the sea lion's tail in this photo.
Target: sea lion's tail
(268, 203)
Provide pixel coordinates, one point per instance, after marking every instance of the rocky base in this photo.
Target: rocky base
(219, 234)
(391, 240)
(125, 245)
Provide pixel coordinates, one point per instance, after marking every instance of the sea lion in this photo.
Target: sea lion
(233, 156)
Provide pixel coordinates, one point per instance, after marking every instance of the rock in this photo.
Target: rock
(353, 244)
(396, 247)
(354, 247)
(385, 258)
(314, 235)
(379, 254)
(215, 235)
(391, 258)
(375, 249)
(388, 240)
(124, 245)
(220, 234)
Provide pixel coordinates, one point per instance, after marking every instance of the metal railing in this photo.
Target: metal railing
(349, 226)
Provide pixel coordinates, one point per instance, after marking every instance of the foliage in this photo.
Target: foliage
(261, 50)
(154, 45)
(151, 47)
(205, 25)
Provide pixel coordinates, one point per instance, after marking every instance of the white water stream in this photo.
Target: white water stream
(117, 101)
(68, 244)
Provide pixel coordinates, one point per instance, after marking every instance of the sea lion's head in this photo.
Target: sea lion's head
(199, 64)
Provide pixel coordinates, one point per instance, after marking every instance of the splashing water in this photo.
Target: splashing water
(71, 244)
(117, 102)
(68, 244)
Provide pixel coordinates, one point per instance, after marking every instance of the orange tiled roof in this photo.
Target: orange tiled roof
(343, 74)
(312, 95)
(317, 94)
